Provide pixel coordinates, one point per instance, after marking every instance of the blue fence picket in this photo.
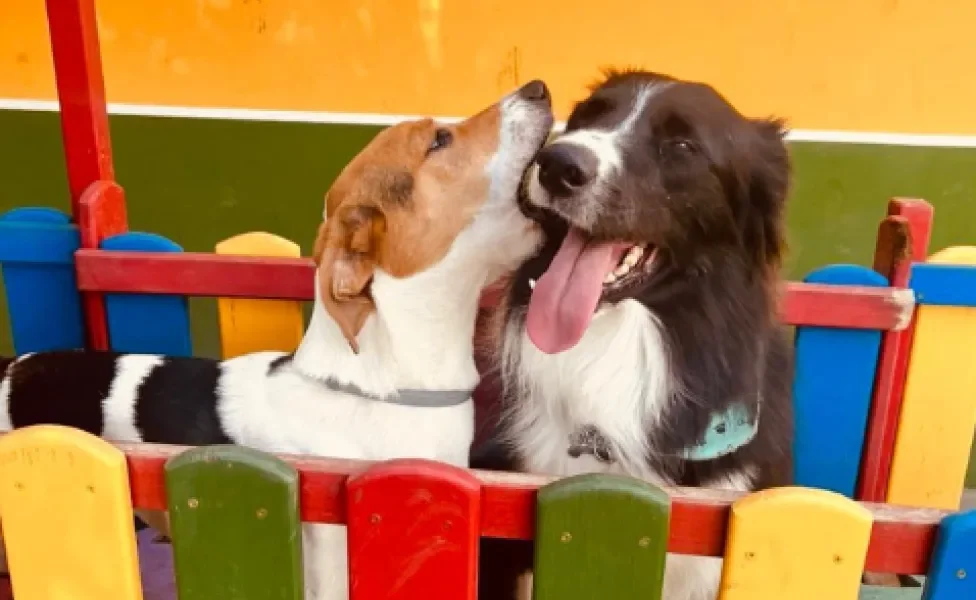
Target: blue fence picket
(952, 575)
(834, 379)
(37, 247)
(147, 323)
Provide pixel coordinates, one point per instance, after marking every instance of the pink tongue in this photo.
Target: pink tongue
(567, 295)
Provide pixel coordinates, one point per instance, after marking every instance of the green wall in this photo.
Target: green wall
(200, 181)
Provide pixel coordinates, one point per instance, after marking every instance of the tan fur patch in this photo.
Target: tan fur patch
(398, 207)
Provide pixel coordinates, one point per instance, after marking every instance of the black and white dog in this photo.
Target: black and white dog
(643, 338)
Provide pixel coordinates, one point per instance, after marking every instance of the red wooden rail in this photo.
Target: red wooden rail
(201, 274)
(901, 540)
(903, 238)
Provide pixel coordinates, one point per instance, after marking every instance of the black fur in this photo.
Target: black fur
(279, 363)
(60, 388)
(706, 187)
(177, 403)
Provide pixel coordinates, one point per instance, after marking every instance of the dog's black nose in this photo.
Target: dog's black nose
(534, 90)
(564, 168)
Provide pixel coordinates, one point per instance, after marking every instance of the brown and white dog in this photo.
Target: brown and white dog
(643, 337)
(415, 227)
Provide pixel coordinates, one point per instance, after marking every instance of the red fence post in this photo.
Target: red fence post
(903, 238)
(413, 531)
(101, 214)
(81, 95)
(97, 202)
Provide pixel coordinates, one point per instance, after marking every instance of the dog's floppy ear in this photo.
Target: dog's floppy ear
(766, 186)
(346, 252)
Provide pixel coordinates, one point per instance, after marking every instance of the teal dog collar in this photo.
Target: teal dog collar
(726, 433)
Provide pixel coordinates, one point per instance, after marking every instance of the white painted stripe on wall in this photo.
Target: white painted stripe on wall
(339, 118)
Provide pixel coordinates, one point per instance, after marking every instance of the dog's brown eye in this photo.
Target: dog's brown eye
(679, 147)
(442, 138)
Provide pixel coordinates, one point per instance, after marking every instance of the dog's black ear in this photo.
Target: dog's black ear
(766, 185)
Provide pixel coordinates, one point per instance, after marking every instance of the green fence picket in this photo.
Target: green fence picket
(235, 525)
(600, 536)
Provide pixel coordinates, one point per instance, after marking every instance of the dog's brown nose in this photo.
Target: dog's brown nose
(534, 90)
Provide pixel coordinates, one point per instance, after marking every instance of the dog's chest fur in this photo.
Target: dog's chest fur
(615, 380)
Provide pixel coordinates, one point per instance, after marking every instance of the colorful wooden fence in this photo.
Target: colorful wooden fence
(414, 525)
(842, 315)
(85, 280)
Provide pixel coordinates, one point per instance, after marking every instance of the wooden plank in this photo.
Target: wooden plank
(953, 572)
(196, 274)
(413, 528)
(600, 536)
(147, 324)
(944, 285)
(855, 307)
(101, 214)
(903, 237)
(67, 518)
(901, 541)
(43, 304)
(81, 94)
(200, 274)
(832, 390)
(938, 415)
(795, 543)
(235, 526)
(253, 325)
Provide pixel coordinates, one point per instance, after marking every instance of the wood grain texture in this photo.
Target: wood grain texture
(938, 414)
(795, 543)
(413, 528)
(600, 536)
(248, 325)
(235, 526)
(67, 517)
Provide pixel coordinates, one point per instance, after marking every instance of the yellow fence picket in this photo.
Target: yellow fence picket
(67, 516)
(796, 543)
(248, 325)
(938, 414)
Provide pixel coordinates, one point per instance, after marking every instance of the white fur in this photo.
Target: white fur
(607, 146)
(618, 379)
(420, 337)
(5, 424)
(119, 406)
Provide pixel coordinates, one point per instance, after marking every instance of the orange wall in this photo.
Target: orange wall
(864, 65)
